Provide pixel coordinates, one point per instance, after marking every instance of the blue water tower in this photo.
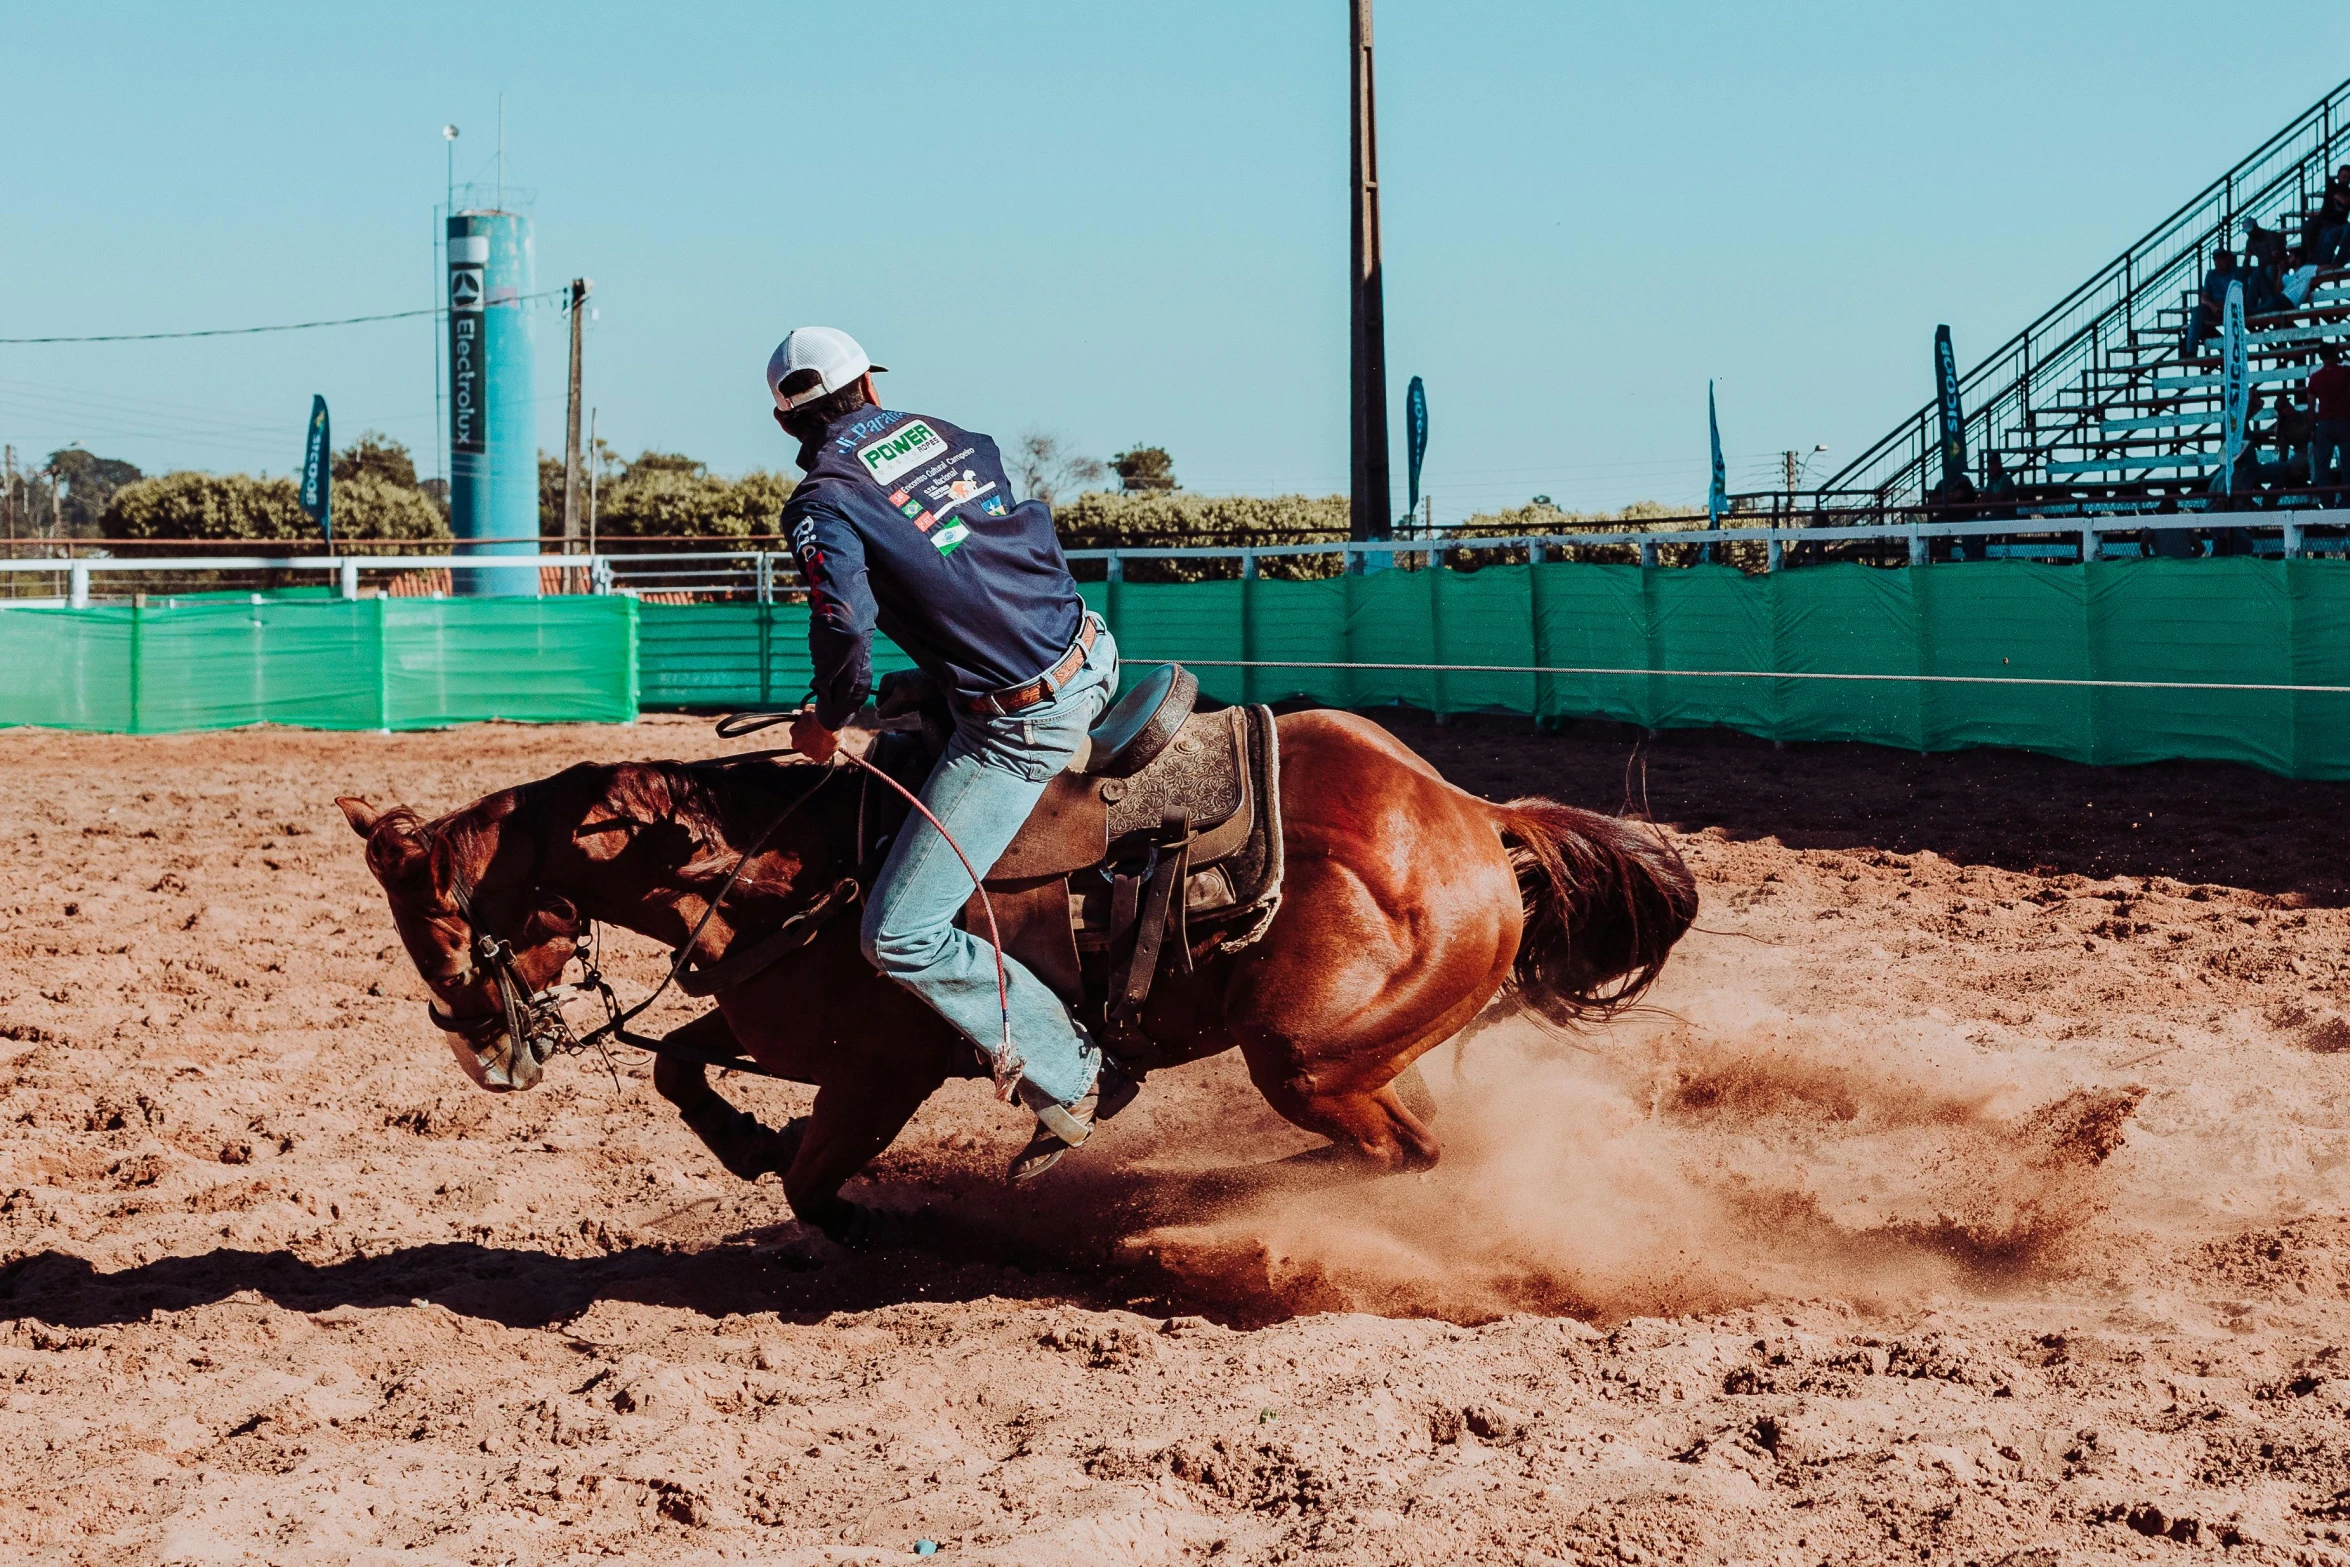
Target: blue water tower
(493, 426)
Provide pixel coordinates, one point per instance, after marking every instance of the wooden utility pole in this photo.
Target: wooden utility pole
(1369, 515)
(580, 289)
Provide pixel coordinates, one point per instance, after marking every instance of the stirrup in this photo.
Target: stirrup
(1068, 1128)
(1059, 1128)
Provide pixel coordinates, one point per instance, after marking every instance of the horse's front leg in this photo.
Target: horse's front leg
(747, 1146)
(857, 1115)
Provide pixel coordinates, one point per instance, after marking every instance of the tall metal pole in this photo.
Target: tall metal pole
(440, 323)
(1369, 514)
(580, 288)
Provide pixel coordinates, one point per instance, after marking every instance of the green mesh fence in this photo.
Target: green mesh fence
(321, 663)
(1575, 640)
(732, 655)
(2127, 623)
(2240, 621)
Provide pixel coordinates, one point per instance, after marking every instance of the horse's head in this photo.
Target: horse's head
(485, 937)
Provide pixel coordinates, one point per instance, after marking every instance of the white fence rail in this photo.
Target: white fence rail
(765, 575)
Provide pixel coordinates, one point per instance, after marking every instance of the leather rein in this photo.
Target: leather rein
(534, 1020)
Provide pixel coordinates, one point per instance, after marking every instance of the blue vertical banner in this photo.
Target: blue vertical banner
(318, 473)
(493, 425)
(1717, 491)
(1953, 416)
(1415, 422)
(2235, 389)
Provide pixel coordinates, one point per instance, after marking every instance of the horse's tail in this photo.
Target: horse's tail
(1605, 899)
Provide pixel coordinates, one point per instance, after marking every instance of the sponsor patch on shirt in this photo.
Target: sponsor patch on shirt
(904, 449)
(946, 538)
(994, 506)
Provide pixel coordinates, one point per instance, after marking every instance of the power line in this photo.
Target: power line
(248, 331)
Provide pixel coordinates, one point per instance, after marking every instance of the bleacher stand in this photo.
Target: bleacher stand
(2111, 405)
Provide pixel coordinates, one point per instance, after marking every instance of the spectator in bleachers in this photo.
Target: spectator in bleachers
(2329, 400)
(2296, 429)
(2264, 278)
(2325, 235)
(1953, 493)
(2203, 322)
(1998, 493)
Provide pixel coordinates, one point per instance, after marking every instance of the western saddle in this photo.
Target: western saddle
(1159, 845)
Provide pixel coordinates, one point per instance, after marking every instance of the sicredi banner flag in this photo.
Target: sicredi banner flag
(2235, 389)
(1415, 419)
(900, 452)
(1953, 416)
(1717, 494)
(318, 474)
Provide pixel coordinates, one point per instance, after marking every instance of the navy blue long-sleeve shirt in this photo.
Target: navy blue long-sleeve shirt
(907, 524)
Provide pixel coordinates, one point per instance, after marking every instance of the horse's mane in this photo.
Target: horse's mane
(718, 805)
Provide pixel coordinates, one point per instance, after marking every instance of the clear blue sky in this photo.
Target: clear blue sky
(1119, 223)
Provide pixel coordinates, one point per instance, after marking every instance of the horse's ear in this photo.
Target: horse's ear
(397, 856)
(359, 813)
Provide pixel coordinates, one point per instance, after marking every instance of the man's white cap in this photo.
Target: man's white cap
(834, 355)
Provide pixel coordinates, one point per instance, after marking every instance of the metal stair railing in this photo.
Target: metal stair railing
(2077, 345)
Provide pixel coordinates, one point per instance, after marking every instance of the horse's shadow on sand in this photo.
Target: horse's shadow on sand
(518, 1287)
(974, 1245)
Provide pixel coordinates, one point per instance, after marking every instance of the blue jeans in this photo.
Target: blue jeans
(993, 773)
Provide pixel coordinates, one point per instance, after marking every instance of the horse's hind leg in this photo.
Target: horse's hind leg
(1366, 1125)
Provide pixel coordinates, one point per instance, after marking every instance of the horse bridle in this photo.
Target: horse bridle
(534, 1019)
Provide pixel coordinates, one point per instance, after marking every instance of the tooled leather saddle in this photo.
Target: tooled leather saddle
(1159, 846)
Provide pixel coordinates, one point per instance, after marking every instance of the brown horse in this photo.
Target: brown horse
(1408, 905)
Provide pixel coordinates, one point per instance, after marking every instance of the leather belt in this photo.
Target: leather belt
(1020, 698)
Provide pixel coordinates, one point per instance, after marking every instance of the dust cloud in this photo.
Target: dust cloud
(1673, 1175)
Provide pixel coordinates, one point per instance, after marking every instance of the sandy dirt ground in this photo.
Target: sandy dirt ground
(1972, 1191)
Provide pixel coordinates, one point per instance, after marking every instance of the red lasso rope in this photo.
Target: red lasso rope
(1007, 1062)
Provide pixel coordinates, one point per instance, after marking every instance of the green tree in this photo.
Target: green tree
(1103, 519)
(207, 506)
(1144, 468)
(226, 506)
(89, 482)
(663, 494)
(378, 455)
(551, 497)
(370, 506)
(1049, 468)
